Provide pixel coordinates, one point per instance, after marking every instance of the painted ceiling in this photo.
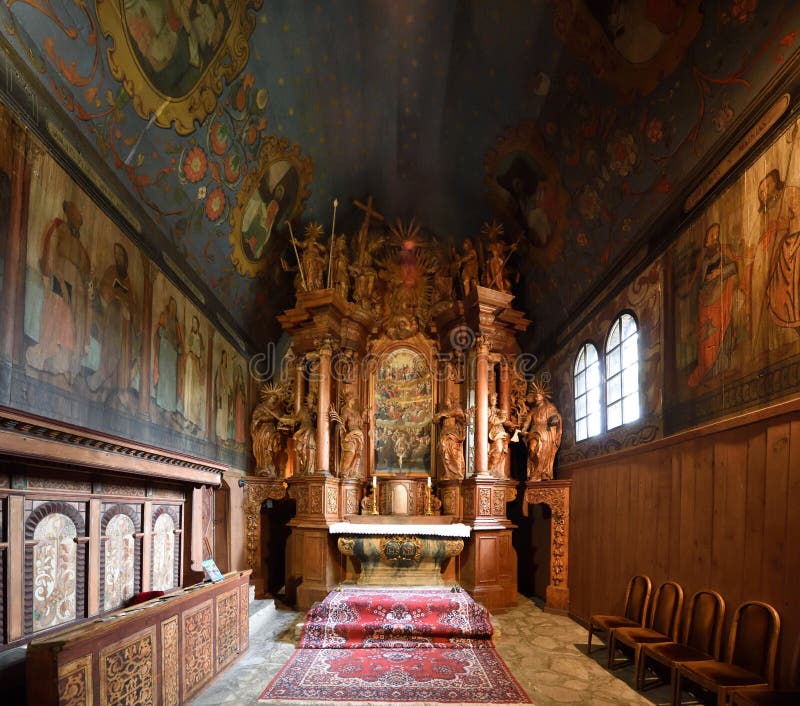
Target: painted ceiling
(574, 122)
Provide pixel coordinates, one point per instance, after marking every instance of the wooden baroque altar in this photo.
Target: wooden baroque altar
(398, 398)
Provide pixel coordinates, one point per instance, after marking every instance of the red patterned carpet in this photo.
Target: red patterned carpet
(416, 617)
(403, 646)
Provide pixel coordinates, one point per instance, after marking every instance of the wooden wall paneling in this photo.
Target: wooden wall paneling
(605, 489)
(645, 514)
(789, 607)
(579, 539)
(663, 486)
(675, 530)
(686, 513)
(703, 464)
(752, 577)
(775, 513)
(626, 482)
(730, 470)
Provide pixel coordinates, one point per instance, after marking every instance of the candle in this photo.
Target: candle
(374, 481)
(429, 481)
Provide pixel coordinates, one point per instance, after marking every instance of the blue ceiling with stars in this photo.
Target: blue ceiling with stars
(572, 122)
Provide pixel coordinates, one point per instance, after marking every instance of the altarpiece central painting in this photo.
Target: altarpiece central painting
(403, 412)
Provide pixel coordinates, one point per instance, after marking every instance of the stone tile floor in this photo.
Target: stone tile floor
(545, 652)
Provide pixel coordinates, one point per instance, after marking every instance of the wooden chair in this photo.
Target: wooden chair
(637, 598)
(752, 646)
(661, 626)
(762, 696)
(702, 635)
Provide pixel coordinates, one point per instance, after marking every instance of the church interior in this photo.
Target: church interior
(344, 342)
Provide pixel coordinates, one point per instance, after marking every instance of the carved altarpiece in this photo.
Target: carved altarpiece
(405, 351)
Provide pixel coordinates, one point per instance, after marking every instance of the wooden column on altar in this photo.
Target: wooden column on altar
(554, 494)
(489, 563)
(482, 406)
(314, 565)
(323, 403)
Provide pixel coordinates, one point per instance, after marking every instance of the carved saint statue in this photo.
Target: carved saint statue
(543, 430)
(340, 268)
(305, 435)
(469, 267)
(498, 438)
(498, 252)
(312, 259)
(268, 441)
(351, 421)
(364, 272)
(451, 438)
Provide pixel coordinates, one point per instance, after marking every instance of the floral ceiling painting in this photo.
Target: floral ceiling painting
(576, 123)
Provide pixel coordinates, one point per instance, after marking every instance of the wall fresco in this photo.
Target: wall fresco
(736, 305)
(105, 341)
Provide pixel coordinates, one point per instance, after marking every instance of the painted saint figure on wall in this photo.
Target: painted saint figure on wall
(118, 327)
(223, 398)
(780, 249)
(66, 271)
(168, 347)
(239, 406)
(194, 383)
(716, 280)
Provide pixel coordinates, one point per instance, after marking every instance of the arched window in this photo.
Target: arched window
(587, 393)
(622, 372)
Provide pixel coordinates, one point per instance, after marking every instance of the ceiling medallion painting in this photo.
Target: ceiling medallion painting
(524, 189)
(632, 44)
(270, 197)
(172, 61)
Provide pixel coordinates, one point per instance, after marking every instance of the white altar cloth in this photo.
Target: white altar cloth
(456, 529)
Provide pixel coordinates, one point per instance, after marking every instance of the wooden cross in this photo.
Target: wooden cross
(368, 213)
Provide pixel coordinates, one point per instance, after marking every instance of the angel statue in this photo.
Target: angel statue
(268, 441)
(542, 427)
(351, 421)
(451, 439)
(305, 435)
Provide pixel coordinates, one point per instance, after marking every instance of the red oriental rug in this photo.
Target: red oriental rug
(378, 647)
(379, 617)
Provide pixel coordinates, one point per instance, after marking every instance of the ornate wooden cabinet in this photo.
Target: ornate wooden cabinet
(163, 652)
